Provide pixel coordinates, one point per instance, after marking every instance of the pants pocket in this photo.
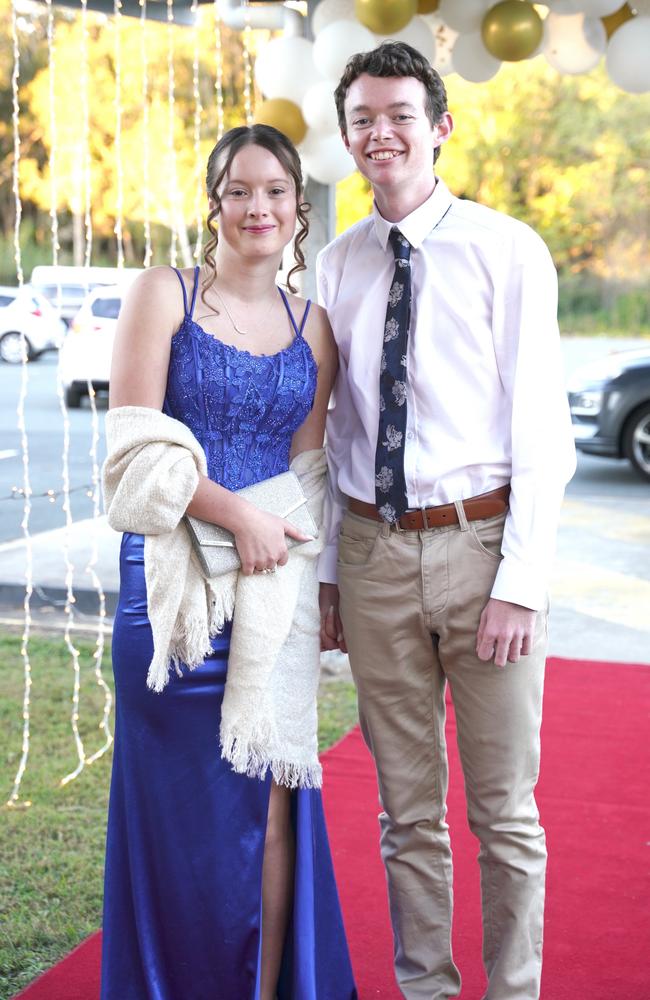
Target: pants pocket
(486, 536)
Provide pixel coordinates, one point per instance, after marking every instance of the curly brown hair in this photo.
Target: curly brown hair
(394, 59)
(219, 163)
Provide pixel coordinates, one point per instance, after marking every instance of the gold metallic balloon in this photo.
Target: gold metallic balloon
(385, 16)
(283, 115)
(428, 6)
(619, 17)
(512, 30)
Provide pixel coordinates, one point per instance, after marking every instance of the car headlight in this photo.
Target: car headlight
(587, 403)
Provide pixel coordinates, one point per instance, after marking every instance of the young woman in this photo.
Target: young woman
(219, 886)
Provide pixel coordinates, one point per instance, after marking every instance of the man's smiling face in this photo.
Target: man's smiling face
(389, 133)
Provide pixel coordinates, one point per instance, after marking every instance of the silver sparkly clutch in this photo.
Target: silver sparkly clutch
(281, 495)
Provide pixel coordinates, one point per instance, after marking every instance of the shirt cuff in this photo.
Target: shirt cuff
(327, 571)
(519, 584)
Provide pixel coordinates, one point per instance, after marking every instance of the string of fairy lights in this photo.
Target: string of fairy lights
(199, 196)
(65, 457)
(144, 58)
(81, 203)
(94, 492)
(85, 124)
(14, 797)
(171, 144)
(218, 78)
(119, 166)
(248, 68)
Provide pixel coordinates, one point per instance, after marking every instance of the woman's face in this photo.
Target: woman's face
(258, 204)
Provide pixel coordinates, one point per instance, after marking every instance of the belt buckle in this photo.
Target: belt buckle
(423, 511)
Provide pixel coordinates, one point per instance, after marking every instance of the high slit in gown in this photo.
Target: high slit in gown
(185, 840)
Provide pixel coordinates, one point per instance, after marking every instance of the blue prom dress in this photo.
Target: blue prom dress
(185, 841)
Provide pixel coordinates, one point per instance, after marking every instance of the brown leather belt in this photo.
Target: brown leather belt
(485, 505)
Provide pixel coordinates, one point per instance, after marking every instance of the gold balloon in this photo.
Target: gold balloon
(619, 17)
(428, 6)
(385, 16)
(283, 115)
(512, 30)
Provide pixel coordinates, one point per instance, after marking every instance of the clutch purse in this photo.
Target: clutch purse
(281, 495)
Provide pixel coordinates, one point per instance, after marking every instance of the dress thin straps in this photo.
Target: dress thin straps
(180, 278)
(194, 290)
(291, 316)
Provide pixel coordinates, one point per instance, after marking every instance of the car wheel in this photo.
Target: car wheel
(636, 440)
(73, 397)
(11, 348)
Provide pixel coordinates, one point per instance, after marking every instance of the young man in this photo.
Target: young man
(450, 446)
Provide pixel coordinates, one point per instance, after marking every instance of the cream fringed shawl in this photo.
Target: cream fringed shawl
(269, 715)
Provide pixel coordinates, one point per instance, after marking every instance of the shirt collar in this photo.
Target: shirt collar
(416, 226)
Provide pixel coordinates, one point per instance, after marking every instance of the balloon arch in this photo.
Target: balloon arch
(473, 38)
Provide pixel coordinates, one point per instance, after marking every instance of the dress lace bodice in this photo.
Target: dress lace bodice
(243, 408)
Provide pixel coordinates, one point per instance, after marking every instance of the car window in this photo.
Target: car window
(67, 291)
(6, 300)
(106, 308)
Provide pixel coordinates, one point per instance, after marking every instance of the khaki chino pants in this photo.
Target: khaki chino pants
(410, 606)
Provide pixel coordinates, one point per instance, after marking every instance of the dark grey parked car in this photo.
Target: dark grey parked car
(610, 408)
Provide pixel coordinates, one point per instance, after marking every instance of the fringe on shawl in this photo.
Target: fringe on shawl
(246, 756)
(191, 639)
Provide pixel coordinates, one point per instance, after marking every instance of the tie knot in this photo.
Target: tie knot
(400, 244)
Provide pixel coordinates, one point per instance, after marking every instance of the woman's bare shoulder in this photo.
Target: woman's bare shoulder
(160, 278)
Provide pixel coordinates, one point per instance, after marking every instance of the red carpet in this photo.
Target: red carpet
(593, 795)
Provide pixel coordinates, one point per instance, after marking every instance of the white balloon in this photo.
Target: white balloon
(337, 42)
(472, 60)
(325, 159)
(319, 109)
(445, 38)
(573, 43)
(285, 68)
(627, 56)
(564, 6)
(464, 15)
(598, 8)
(328, 11)
(418, 34)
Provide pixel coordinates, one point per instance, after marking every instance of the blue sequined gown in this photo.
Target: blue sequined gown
(185, 840)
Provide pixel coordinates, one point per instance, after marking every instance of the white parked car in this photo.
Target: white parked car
(24, 311)
(66, 286)
(86, 352)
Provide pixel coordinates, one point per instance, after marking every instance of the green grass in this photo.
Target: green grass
(52, 853)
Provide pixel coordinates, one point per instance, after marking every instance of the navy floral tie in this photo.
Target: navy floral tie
(390, 484)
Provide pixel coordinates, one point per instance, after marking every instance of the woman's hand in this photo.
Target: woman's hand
(261, 539)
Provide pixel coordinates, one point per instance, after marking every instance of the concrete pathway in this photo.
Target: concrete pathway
(600, 591)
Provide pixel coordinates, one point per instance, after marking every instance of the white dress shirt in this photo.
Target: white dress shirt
(486, 397)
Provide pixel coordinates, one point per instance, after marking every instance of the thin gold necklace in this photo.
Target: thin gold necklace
(237, 329)
(242, 333)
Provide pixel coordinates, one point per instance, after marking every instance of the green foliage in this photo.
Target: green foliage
(571, 157)
(51, 107)
(568, 155)
(52, 854)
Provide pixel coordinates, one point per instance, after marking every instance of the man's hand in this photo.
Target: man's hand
(505, 632)
(331, 629)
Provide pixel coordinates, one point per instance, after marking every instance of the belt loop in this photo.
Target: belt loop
(385, 529)
(462, 516)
